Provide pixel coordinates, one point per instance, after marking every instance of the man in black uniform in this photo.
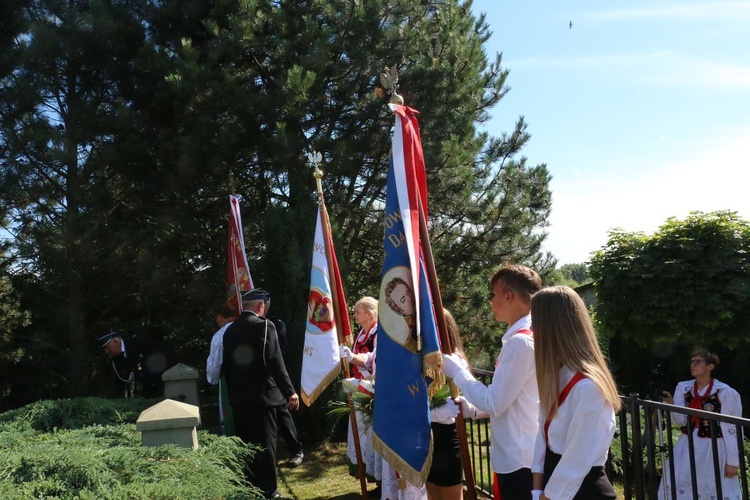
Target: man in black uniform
(284, 419)
(138, 358)
(258, 384)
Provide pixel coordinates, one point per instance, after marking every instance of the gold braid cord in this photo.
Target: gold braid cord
(431, 368)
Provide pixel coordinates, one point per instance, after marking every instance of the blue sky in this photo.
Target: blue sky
(641, 110)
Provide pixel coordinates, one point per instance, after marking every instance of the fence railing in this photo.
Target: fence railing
(478, 434)
(645, 438)
(646, 442)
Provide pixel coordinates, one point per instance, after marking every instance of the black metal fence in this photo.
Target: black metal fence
(478, 434)
(645, 439)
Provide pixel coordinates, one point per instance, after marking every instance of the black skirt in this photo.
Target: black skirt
(595, 485)
(446, 467)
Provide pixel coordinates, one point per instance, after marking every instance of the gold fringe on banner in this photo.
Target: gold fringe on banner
(308, 399)
(411, 475)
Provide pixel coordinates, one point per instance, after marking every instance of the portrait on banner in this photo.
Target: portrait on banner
(399, 318)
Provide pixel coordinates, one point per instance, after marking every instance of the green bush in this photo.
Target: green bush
(76, 413)
(89, 449)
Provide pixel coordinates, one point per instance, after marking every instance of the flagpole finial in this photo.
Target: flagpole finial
(315, 158)
(389, 81)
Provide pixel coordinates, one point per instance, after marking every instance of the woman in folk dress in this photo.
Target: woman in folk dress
(366, 317)
(708, 394)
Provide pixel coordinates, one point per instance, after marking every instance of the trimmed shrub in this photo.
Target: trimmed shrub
(89, 449)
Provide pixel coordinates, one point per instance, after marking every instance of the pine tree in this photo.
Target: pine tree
(124, 125)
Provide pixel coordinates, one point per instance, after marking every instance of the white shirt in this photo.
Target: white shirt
(581, 431)
(511, 400)
(216, 356)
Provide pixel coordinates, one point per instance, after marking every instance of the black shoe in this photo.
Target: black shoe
(295, 460)
(279, 496)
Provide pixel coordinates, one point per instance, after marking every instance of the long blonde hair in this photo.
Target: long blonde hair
(455, 338)
(564, 335)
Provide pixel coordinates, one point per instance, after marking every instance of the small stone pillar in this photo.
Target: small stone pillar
(169, 422)
(181, 384)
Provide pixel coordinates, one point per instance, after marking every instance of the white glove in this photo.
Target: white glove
(345, 352)
(452, 366)
(350, 384)
(468, 410)
(444, 414)
(536, 494)
(366, 387)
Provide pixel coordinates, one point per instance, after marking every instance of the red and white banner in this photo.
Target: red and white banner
(238, 272)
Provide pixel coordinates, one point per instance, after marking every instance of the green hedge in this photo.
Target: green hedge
(89, 449)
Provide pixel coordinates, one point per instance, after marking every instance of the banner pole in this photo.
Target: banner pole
(318, 174)
(446, 348)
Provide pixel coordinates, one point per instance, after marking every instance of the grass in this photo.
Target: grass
(324, 474)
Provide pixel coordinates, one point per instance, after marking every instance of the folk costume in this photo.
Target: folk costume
(716, 397)
(364, 343)
(572, 446)
(512, 402)
(258, 384)
(392, 487)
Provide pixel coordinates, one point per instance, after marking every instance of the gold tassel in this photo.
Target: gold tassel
(431, 367)
(401, 483)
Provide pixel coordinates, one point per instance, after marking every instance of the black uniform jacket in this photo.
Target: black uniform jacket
(253, 366)
(147, 357)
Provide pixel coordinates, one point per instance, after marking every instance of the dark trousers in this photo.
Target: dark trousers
(288, 430)
(257, 425)
(515, 485)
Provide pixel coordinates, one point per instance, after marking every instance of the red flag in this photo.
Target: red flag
(345, 329)
(238, 272)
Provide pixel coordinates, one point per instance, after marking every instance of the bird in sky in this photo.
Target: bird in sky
(570, 25)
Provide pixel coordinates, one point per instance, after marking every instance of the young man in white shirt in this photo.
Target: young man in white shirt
(511, 400)
(224, 316)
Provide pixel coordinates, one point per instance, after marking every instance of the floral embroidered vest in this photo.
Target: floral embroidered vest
(710, 403)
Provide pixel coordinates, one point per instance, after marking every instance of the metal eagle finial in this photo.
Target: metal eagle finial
(389, 81)
(315, 158)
